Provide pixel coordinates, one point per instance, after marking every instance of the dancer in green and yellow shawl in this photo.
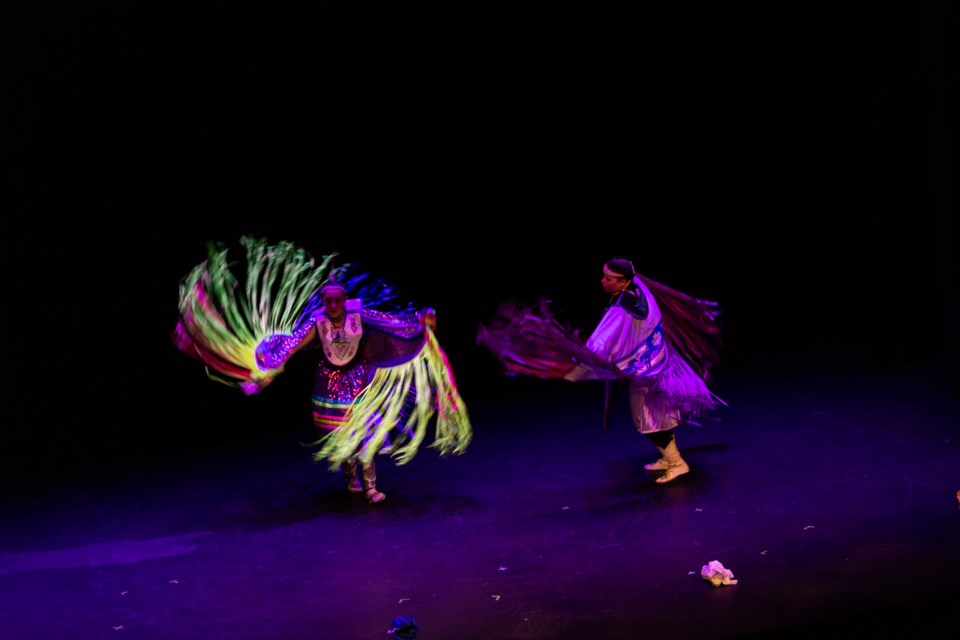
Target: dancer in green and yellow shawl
(382, 378)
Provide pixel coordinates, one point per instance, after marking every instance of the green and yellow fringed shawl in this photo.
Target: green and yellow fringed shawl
(418, 393)
(223, 320)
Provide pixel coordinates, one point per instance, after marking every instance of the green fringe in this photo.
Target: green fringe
(378, 409)
(231, 321)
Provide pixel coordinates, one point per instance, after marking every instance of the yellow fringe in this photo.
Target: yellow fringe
(378, 409)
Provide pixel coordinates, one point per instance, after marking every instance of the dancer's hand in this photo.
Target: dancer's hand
(254, 386)
(428, 317)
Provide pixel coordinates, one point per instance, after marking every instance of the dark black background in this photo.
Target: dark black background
(792, 162)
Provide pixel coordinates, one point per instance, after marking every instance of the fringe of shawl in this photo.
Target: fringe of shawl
(413, 393)
(691, 325)
(221, 323)
(677, 394)
(529, 340)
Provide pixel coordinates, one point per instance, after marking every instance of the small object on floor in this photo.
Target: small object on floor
(716, 574)
(403, 628)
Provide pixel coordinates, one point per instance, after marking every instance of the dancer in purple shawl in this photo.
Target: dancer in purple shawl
(662, 342)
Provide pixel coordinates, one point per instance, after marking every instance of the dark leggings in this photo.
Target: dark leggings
(660, 439)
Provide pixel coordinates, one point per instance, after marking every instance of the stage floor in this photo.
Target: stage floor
(832, 497)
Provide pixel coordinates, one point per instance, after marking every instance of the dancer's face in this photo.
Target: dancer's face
(612, 282)
(334, 301)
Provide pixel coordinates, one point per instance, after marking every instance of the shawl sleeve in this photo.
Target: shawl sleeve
(529, 340)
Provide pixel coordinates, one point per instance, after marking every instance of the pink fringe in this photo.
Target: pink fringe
(530, 341)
